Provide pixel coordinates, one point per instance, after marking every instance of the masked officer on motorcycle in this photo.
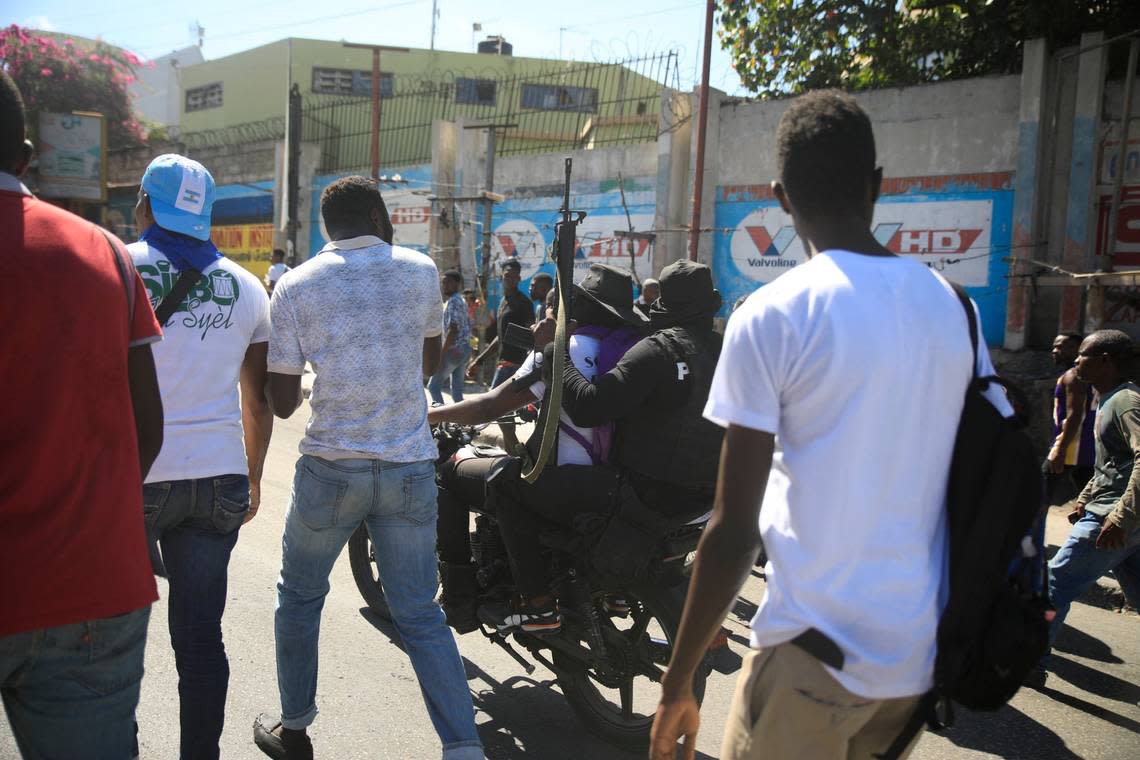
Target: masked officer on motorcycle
(666, 451)
(607, 326)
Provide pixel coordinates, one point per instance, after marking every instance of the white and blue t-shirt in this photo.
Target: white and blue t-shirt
(199, 363)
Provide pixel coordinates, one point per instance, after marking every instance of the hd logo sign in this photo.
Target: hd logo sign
(954, 234)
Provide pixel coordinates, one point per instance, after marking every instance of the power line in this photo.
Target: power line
(658, 12)
(316, 20)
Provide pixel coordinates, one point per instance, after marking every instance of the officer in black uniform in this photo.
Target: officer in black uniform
(665, 449)
(657, 394)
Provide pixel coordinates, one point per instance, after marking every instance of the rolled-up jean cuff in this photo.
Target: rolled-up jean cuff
(304, 720)
(472, 750)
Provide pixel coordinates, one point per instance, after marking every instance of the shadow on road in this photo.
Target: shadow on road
(1075, 641)
(1009, 734)
(386, 627)
(529, 718)
(1095, 681)
(1088, 708)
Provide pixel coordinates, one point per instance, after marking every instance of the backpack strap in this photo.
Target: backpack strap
(188, 279)
(126, 268)
(580, 440)
(971, 319)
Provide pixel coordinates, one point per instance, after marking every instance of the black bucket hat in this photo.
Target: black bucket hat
(612, 289)
(687, 294)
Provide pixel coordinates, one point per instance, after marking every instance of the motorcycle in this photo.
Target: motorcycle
(616, 637)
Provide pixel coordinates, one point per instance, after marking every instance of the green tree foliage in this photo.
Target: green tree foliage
(781, 47)
(55, 74)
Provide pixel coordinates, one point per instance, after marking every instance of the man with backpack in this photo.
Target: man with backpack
(854, 522)
(1106, 516)
(607, 326)
(206, 481)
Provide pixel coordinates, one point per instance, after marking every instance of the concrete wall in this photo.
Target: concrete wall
(948, 152)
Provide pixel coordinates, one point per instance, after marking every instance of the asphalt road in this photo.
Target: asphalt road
(371, 705)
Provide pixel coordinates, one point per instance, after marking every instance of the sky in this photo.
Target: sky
(588, 30)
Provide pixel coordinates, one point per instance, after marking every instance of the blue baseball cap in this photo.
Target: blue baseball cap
(181, 194)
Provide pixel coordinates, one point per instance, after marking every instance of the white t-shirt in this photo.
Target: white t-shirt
(275, 272)
(359, 312)
(199, 364)
(584, 355)
(859, 365)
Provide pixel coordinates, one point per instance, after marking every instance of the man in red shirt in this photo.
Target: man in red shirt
(82, 423)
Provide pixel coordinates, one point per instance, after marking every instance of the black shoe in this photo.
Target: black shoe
(523, 616)
(279, 743)
(458, 599)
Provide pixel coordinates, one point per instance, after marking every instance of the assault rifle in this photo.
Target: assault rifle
(565, 246)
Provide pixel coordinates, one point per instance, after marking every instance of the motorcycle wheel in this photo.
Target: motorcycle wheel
(366, 574)
(622, 712)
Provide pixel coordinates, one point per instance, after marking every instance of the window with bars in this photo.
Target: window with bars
(206, 96)
(350, 82)
(476, 92)
(553, 97)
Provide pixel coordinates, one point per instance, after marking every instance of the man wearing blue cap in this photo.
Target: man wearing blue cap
(206, 481)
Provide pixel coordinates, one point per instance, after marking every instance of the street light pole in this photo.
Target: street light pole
(376, 98)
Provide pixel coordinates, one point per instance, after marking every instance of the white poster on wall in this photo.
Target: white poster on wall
(411, 217)
(597, 243)
(521, 239)
(72, 151)
(954, 235)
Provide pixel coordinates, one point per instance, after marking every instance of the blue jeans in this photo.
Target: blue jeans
(397, 501)
(71, 691)
(1078, 564)
(196, 524)
(453, 364)
(503, 373)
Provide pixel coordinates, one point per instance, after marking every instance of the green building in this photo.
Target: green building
(548, 102)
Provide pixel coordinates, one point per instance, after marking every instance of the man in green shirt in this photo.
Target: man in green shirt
(1106, 525)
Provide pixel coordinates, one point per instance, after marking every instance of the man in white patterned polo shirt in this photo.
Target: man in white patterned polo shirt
(366, 315)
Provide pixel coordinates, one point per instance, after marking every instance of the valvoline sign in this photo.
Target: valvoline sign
(963, 235)
(765, 244)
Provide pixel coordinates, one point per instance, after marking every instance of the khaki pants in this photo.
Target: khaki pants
(788, 707)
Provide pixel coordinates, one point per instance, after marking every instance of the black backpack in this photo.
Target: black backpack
(993, 630)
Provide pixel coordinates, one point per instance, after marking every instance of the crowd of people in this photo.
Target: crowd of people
(173, 362)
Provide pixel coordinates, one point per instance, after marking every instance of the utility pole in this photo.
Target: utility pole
(434, 16)
(702, 132)
(293, 174)
(488, 198)
(376, 98)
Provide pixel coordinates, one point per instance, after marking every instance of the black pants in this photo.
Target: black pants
(462, 486)
(523, 510)
(556, 500)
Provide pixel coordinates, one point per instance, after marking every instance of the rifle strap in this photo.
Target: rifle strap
(188, 279)
(553, 406)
